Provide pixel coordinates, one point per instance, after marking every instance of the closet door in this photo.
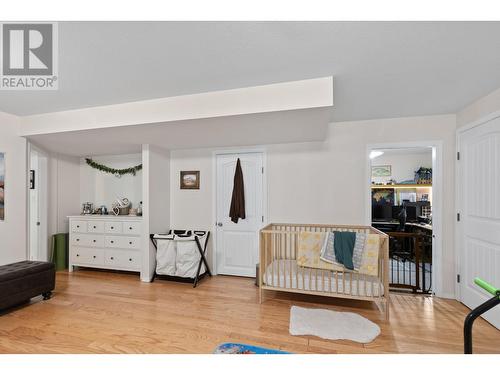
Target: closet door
(479, 225)
(238, 243)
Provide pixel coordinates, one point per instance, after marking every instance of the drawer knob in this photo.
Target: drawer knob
(112, 241)
(77, 255)
(95, 227)
(112, 227)
(94, 240)
(94, 256)
(130, 243)
(130, 259)
(112, 258)
(77, 239)
(78, 226)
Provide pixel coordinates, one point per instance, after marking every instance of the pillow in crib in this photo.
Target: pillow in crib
(310, 247)
(359, 249)
(369, 259)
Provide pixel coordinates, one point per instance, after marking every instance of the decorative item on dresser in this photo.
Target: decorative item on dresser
(105, 242)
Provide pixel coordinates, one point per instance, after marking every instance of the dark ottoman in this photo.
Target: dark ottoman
(24, 280)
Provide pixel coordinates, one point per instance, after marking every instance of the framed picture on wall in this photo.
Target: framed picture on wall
(381, 171)
(2, 186)
(190, 179)
(383, 196)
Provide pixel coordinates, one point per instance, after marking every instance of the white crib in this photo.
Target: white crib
(279, 271)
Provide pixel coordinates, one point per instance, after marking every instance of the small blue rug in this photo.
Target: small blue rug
(234, 348)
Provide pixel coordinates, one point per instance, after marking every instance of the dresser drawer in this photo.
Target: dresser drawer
(78, 226)
(113, 241)
(121, 242)
(131, 242)
(78, 239)
(94, 240)
(132, 228)
(87, 256)
(113, 227)
(125, 259)
(87, 240)
(95, 226)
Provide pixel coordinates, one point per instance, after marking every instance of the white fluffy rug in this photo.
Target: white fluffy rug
(332, 325)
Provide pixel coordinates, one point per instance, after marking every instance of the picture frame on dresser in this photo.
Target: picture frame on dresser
(110, 242)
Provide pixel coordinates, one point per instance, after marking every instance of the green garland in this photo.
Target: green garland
(116, 172)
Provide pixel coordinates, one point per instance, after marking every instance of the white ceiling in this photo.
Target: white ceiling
(380, 69)
(230, 131)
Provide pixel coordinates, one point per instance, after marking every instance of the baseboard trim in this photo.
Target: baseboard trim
(446, 295)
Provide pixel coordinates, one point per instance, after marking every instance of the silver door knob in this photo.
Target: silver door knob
(219, 224)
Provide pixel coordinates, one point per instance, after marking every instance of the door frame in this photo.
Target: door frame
(458, 194)
(43, 202)
(265, 202)
(437, 198)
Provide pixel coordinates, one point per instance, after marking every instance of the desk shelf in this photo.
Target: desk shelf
(402, 186)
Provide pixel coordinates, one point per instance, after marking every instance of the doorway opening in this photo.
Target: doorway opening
(402, 205)
(38, 196)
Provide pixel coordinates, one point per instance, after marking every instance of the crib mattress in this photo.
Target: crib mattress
(316, 280)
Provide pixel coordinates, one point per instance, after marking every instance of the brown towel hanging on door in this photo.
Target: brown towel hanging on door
(237, 210)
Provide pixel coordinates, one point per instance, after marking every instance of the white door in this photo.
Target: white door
(479, 225)
(238, 243)
(38, 237)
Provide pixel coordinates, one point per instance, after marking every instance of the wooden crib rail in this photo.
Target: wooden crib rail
(317, 228)
(279, 271)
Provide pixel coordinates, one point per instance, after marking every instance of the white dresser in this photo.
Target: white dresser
(111, 242)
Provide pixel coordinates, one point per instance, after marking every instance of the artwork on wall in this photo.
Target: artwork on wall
(383, 196)
(2, 186)
(190, 179)
(381, 171)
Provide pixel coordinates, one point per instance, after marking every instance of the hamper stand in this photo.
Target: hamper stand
(203, 260)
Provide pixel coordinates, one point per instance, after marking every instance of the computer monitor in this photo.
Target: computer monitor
(395, 212)
(381, 212)
(411, 213)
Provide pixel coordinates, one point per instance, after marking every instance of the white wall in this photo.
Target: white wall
(103, 188)
(13, 244)
(64, 191)
(193, 209)
(323, 182)
(156, 203)
(403, 164)
(480, 108)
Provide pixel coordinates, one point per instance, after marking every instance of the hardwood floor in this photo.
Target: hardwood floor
(103, 312)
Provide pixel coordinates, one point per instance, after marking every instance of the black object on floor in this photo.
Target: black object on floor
(478, 311)
(24, 280)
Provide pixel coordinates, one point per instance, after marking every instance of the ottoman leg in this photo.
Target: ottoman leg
(46, 295)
